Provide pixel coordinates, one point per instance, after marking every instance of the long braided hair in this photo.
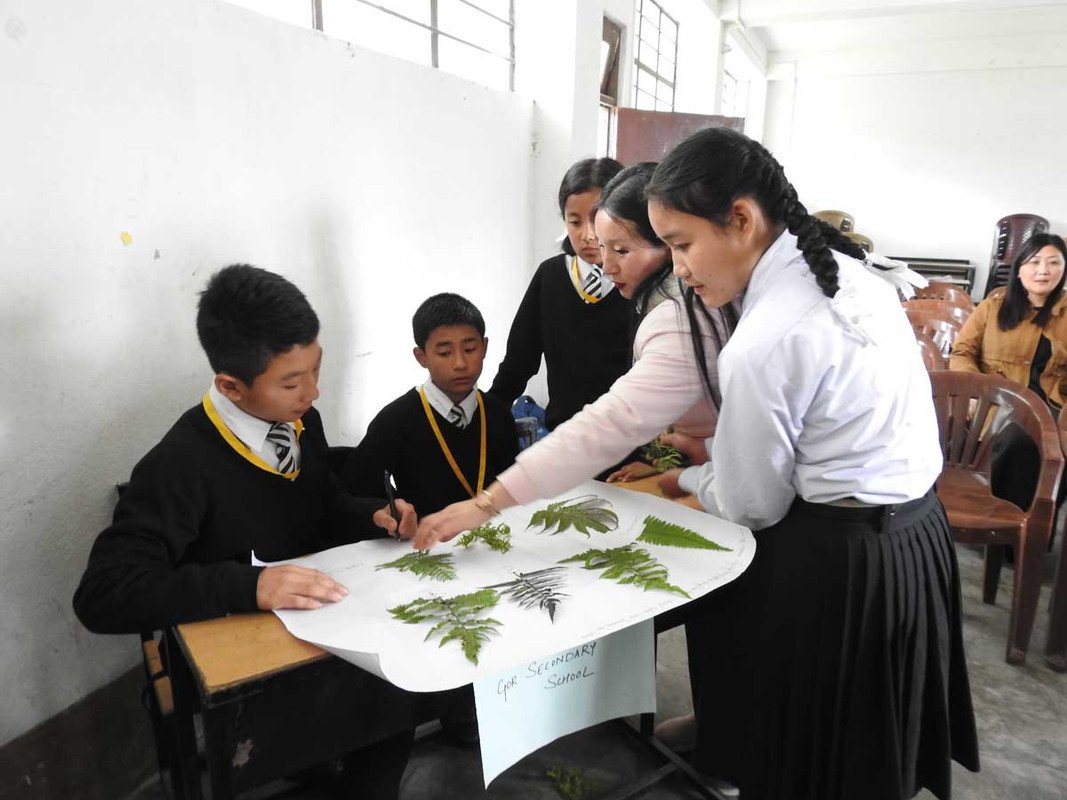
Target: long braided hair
(714, 167)
(624, 200)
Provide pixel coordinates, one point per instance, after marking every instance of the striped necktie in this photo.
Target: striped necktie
(592, 285)
(281, 436)
(456, 416)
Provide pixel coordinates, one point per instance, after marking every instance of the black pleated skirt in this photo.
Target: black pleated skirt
(833, 668)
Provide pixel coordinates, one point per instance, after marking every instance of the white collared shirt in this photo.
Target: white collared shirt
(810, 407)
(250, 430)
(441, 403)
(584, 268)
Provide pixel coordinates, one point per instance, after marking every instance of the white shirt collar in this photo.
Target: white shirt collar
(441, 403)
(762, 276)
(250, 430)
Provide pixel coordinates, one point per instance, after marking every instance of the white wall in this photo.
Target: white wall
(211, 135)
(927, 144)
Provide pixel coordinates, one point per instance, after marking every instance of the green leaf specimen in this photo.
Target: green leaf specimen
(538, 588)
(657, 531)
(581, 513)
(571, 783)
(628, 564)
(456, 619)
(437, 567)
(497, 537)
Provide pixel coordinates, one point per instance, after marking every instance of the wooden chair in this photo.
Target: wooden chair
(940, 327)
(974, 514)
(939, 290)
(1056, 649)
(931, 353)
(946, 308)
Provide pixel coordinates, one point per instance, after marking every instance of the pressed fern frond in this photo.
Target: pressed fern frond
(581, 513)
(538, 588)
(658, 531)
(497, 537)
(437, 567)
(628, 564)
(456, 619)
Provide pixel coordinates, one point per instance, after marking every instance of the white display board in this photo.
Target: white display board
(361, 629)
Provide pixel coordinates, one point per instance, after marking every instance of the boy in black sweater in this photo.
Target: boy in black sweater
(244, 471)
(444, 441)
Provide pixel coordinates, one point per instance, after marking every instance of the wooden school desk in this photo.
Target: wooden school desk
(271, 704)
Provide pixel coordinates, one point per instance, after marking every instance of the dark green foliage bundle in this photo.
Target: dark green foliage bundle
(456, 619)
(437, 567)
(657, 531)
(571, 783)
(630, 565)
(538, 588)
(584, 513)
(497, 537)
(662, 456)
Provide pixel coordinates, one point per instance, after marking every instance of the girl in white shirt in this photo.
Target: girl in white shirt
(833, 668)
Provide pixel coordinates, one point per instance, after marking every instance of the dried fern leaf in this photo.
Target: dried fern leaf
(658, 531)
(456, 619)
(538, 588)
(438, 566)
(627, 565)
(497, 537)
(584, 513)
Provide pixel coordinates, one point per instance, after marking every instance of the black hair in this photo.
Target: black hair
(444, 309)
(1016, 306)
(714, 167)
(247, 315)
(584, 176)
(624, 200)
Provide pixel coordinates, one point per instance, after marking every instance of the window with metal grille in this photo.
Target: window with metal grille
(655, 57)
(474, 39)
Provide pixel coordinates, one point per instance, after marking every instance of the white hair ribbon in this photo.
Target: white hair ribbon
(905, 279)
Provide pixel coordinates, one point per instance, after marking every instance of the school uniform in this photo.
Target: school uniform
(833, 668)
(198, 504)
(435, 461)
(662, 388)
(584, 337)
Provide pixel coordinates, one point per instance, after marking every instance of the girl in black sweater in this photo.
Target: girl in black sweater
(570, 313)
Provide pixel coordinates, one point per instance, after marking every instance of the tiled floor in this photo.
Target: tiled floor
(1021, 711)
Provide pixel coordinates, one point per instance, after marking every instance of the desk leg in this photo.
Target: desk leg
(185, 769)
(220, 749)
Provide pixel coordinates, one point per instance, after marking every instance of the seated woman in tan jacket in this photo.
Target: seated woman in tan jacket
(1022, 336)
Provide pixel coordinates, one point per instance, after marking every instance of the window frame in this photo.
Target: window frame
(641, 14)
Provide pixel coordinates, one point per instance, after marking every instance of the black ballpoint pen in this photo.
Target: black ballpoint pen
(390, 495)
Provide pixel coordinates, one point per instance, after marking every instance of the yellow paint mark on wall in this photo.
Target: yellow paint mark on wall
(126, 238)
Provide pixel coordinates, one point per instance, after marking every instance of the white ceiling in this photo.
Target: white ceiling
(796, 26)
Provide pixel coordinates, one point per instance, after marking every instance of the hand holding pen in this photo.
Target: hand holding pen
(398, 517)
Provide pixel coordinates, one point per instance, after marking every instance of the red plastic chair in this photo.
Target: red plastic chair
(956, 311)
(974, 514)
(931, 353)
(1056, 650)
(939, 290)
(1010, 233)
(937, 325)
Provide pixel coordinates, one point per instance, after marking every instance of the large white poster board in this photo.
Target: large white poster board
(361, 629)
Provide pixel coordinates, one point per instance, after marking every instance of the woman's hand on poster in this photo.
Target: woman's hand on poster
(448, 522)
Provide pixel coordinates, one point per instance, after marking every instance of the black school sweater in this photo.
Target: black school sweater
(586, 346)
(401, 440)
(179, 545)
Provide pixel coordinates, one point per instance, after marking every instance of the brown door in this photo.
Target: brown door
(647, 135)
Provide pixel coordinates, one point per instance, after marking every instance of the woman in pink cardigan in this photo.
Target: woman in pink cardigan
(661, 388)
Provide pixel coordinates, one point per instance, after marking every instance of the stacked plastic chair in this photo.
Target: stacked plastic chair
(1010, 234)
